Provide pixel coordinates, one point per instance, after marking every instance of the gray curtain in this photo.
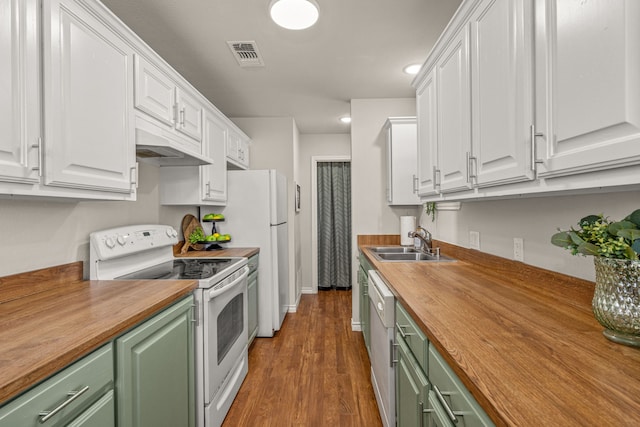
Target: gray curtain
(334, 225)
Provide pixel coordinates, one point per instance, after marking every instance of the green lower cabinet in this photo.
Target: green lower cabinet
(363, 284)
(100, 414)
(67, 396)
(252, 298)
(155, 371)
(412, 389)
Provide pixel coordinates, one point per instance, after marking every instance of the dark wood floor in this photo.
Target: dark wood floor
(314, 372)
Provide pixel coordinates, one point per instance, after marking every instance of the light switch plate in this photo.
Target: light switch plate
(474, 240)
(518, 249)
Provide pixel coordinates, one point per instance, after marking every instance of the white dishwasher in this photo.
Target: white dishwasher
(382, 303)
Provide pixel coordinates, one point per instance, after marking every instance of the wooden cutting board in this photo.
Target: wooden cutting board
(189, 224)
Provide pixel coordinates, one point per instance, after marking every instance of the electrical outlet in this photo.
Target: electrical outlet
(518, 249)
(474, 240)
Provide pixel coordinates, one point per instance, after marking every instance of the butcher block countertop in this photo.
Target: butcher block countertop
(50, 318)
(225, 252)
(523, 340)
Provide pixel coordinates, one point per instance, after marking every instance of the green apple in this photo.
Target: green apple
(209, 216)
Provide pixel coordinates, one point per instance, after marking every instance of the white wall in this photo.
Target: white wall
(274, 145)
(313, 145)
(371, 214)
(42, 232)
(534, 220)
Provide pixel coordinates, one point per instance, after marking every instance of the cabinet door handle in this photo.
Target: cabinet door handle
(133, 176)
(403, 334)
(182, 113)
(534, 154)
(415, 184)
(392, 354)
(38, 168)
(422, 412)
(445, 405)
(471, 171)
(73, 395)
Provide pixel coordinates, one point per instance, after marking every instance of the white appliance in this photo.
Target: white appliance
(382, 302)
(256, 216)
(221, 332)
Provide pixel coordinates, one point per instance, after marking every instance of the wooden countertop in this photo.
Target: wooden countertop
(523, 340)
(50, 318)
(226, 252)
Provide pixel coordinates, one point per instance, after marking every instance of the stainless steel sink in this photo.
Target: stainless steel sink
(402, 254)
(395, 249)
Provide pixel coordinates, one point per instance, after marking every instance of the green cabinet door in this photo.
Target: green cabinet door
(155, 371)
(412, 389)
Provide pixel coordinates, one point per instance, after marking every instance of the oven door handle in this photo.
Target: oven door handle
(230, 286)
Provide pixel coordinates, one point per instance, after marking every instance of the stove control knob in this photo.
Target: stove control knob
(121, 240)
(171, 232)
(110, 242)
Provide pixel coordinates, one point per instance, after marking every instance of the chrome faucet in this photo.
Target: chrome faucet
(425, 238)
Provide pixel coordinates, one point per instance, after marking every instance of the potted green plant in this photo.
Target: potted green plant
(615, 246)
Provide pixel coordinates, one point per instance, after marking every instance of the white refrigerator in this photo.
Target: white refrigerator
(256, 215)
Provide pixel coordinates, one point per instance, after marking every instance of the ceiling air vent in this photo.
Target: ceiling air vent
(246, 53)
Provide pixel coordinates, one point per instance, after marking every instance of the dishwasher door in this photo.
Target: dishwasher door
(382, 302)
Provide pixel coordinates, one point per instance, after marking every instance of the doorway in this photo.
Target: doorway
(332, 223)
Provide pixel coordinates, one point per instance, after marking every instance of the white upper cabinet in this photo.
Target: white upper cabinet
(528, 94)
(160, 97)
(427, 134)
(237, 150)
(588, 85)
(501, 92)
(88, 101)
(20, 129)
(200, 185)
(402, 161)
(453, 106)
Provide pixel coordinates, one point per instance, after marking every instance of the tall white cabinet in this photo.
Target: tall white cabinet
(88, 101)
(402, 162)
(588, 85)
(67, 102)
(19, 91)
(531, 96)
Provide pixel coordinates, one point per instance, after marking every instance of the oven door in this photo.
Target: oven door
(225, 331)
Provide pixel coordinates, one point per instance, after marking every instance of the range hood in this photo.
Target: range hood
(162, 147)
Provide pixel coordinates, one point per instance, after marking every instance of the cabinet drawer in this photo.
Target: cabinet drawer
(93, 374)
(454, 394)
(413, 336)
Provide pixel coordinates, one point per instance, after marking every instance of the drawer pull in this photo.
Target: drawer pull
(445, 405)
(402, 332)
(73, 395)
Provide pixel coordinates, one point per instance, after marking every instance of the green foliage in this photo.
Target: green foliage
(430, 209)
(197, 235)
(598, 236)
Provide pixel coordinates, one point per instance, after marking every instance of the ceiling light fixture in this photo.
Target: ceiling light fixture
(345, 119)
(294, 14)
(412, 69)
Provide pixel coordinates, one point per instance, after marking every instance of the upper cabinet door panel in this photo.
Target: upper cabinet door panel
(154, 92)
(454, 110)
(426, 112)
(189, 115)
(89, 134)
(19, 90)
(502, 94)
(588, 84)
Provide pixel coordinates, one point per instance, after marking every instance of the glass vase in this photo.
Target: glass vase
(616, 300)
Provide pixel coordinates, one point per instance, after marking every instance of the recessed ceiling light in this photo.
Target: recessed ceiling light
(412, 69)
(294, 14)
(345, 119)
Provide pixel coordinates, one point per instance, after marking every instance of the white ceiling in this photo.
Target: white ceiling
(357, 49)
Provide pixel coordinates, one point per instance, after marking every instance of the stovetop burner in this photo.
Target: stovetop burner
(184, 268)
